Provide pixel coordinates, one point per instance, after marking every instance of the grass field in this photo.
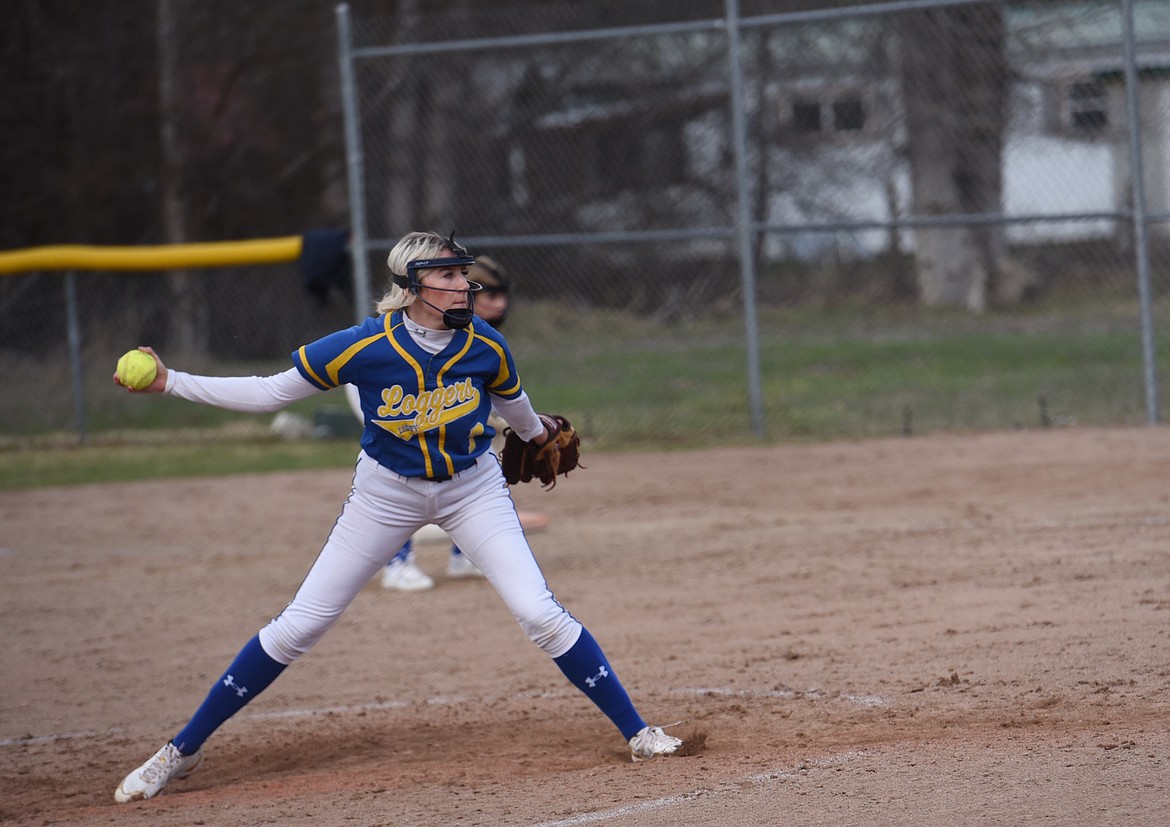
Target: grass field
(631, 384)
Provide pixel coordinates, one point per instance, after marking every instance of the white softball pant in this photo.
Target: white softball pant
(383, 510)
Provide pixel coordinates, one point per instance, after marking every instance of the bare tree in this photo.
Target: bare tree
(246, 138)
(954, 82)
(188, 329)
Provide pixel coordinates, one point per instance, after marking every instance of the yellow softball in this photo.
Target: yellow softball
(136, 369)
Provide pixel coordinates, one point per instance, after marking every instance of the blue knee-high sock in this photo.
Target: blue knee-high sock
(249, 675)
(402, 554)
(587, 669)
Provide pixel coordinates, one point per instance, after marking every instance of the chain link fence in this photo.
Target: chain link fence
(62, 334)
(725, 223)
(850, 222)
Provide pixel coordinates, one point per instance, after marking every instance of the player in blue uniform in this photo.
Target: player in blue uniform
(428, 373)
(492, 303)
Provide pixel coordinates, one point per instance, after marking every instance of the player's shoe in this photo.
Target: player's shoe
(148, 780)
(460, 566)
(651, 741)
(405, 576)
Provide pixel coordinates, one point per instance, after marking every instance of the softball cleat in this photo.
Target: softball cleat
(405, 576)
(148, 780)
(459, 566)
(651, 741)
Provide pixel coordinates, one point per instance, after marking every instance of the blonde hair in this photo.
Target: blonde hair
(411, 247)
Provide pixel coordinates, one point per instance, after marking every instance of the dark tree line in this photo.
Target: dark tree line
(247, 88)
(90, 90)
(163, 121)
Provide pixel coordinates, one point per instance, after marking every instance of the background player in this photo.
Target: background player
(424, 459)
(492, 303)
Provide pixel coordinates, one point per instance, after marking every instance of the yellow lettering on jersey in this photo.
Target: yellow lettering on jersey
(413, 414)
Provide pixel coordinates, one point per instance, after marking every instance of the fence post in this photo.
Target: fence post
(353, 159)
(1141, 239)
(744, 224)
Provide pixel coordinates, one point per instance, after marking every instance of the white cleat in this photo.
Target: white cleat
(460, 566)
(148, 780)
(405, 576)
(651, 741)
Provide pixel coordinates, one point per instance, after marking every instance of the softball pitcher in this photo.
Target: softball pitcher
(492, 302)
(428, 373)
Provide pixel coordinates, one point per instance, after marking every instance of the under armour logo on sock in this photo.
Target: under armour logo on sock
(601, 673)
(240, 690)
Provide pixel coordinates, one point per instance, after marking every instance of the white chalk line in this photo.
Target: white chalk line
(727, 788)
(812, 694)
(438, 700)
(466, 700)
(31, 740)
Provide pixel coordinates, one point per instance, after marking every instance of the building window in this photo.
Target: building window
(1087, 106)
(845, 113)
(806, 116)
(848, 115)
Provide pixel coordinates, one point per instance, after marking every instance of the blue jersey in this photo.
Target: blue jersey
(425, 414)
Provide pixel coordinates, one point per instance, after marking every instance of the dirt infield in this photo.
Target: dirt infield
(960, 629)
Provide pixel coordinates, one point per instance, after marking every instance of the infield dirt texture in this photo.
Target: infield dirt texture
(952, 629)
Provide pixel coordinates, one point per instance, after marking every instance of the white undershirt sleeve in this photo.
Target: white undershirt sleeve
(250, 394)
(520, 416)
